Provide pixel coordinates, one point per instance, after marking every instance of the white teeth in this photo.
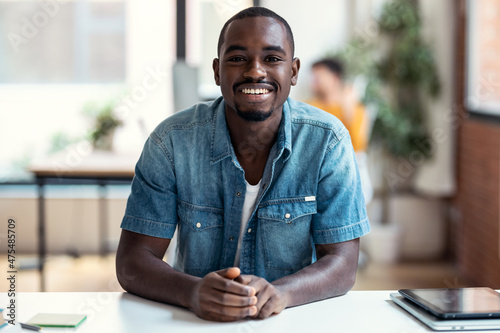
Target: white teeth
(255, 91)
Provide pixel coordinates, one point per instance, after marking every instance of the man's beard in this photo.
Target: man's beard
(256, 116)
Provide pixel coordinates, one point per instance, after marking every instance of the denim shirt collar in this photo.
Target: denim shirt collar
(221, 141)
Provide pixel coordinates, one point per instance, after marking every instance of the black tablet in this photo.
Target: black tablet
(457, 302)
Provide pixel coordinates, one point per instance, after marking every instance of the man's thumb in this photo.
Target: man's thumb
(230, 273)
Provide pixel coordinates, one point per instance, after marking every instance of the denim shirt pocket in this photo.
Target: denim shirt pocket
(286, 234)
(200, 238)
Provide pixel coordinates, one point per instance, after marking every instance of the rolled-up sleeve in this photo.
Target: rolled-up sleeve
(152, 204)
(341, 212)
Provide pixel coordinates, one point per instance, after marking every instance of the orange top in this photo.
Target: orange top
(356, 123)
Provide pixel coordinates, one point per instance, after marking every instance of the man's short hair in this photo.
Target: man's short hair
(333, 65)
(256, 12)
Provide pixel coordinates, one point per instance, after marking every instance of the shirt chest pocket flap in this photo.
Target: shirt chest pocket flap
(286, 210)
(199, 218)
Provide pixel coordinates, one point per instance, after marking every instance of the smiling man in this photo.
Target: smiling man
(264, 191)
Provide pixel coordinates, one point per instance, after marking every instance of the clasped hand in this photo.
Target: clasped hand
(227, 295)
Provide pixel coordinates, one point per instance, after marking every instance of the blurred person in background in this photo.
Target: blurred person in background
(333, 95)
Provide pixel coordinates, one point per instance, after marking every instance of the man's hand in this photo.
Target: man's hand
(270, 299)
(218, 297)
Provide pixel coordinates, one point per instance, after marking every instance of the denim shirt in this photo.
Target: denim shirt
(188, 177)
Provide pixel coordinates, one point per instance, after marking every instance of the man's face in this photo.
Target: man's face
(255, 70)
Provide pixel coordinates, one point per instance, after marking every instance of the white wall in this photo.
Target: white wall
(437, 176)
(150, 47)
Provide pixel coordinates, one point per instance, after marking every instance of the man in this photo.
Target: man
(332, 95)
(257, 184)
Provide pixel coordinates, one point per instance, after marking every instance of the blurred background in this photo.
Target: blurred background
(83, 83)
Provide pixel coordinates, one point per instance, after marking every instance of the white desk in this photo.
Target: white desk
(358, 311)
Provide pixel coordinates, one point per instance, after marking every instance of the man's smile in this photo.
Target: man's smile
(255, 92)
(252, 95)
(248, 91)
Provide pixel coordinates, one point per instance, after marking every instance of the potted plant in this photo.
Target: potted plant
(104, 124)
(401, 73)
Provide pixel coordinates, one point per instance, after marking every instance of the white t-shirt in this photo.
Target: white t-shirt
(248, 205)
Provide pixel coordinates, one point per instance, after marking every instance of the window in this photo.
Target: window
(62, 41)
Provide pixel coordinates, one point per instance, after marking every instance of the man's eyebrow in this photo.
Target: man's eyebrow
(275, 48)
(235, 48)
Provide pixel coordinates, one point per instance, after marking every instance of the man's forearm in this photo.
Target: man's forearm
(330, 276)
(146, 275)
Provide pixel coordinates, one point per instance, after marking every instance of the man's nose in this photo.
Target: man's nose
(255, 70)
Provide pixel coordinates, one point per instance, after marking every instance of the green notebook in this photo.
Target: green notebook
(57, 320)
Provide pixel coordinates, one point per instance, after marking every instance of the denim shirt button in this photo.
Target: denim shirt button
(249, 230)
(287, 215)
(238, 193)
(198, 225)
(231, 238)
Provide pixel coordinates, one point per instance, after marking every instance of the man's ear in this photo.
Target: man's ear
(295, 70)
(215, 66)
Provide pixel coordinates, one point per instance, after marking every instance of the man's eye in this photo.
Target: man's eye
(236, 59)
(273, 59)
